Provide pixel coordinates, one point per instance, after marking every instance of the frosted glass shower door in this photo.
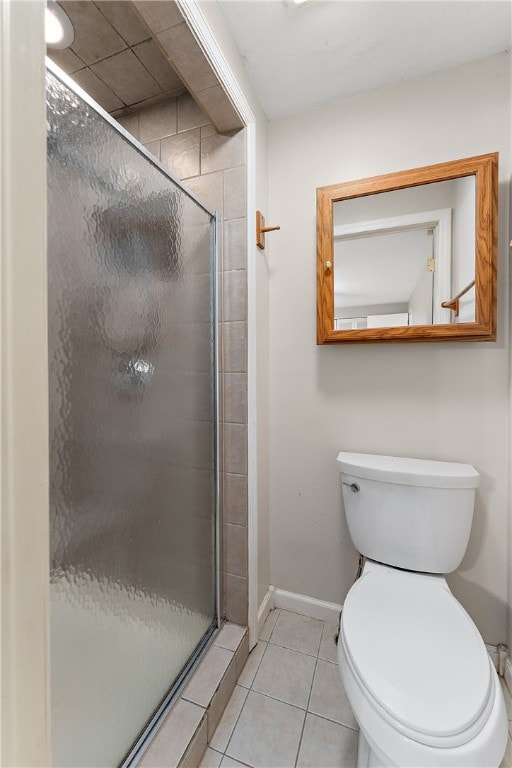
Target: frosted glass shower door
(132, 427)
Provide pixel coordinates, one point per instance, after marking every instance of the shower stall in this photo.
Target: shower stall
(133, 432)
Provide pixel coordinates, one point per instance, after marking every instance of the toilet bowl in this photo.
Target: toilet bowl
(416, 671)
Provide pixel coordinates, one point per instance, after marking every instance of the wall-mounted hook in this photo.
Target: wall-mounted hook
(261, 229)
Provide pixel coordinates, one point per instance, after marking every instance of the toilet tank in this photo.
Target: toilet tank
(409, 513)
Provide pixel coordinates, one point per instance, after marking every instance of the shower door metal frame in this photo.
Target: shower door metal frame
(149, 729)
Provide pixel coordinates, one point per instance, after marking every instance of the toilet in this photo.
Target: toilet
(422, 686)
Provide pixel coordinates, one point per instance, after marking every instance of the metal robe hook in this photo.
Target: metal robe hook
(261, 229)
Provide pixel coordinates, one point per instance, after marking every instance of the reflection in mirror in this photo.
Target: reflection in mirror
(397, 259)
(409, 256)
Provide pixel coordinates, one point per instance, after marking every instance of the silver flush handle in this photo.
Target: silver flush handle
(354, 487)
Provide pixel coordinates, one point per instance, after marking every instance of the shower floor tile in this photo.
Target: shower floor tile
(274, 721)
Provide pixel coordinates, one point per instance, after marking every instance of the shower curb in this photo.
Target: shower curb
(182, 738)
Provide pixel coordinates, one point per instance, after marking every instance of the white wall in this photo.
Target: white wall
(439, 400)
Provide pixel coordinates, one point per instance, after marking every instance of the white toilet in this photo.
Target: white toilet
(415, 668)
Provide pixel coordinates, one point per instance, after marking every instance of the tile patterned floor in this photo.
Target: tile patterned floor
(289, 707)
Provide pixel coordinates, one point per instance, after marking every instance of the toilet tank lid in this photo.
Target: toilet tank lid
(419, 472)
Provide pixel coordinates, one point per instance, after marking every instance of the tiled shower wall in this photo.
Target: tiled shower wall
(212, 166)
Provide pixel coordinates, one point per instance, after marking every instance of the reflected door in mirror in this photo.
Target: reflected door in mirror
(409, 256)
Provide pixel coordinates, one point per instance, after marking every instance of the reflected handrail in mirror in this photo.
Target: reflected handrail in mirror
(453, 304)
(389, 248)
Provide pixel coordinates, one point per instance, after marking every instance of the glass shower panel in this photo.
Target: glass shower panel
(132, 430)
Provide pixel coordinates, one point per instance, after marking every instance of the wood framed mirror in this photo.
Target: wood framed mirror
(409, 256)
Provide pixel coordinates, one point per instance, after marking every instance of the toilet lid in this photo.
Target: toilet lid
(416, 651)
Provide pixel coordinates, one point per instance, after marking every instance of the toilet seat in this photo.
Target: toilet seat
(410, 645)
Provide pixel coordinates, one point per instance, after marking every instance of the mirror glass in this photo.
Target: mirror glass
(409, 256)
(400, 255)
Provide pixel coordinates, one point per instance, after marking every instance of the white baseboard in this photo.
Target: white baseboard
(325, 611)
(307, 606)
(266, 606)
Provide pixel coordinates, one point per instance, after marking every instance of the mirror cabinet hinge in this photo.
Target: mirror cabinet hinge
(431, 265)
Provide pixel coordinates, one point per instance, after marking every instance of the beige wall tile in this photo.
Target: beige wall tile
(235, 398)
(234, 296)
(210, 759)
(241, 656)
(180, 153)
(95, 37)
(154, 148)
(221, 152)
(235, 450)
(208, 675)
(96, 88)
(227, 723)
(234, 345)
(125, 20)
(174, 735)
(158, 121)
(221, 698)
(154, 60)
(235, 499)
(235, 600)
(196, 747)
(187, 58)
(207, 130)
(208, 189)
(159, 14)
(230, 636)
(190, 115)
(127, 77)
(131, 124)
(217, 105)
(235, 549)
(234, 192)
(234, 250)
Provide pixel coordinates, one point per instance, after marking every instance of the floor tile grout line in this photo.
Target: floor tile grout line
(335, 722)
(274, 698)
(236, 723)
(305, 712)
(275, 625)
(313, 655)
(307, 704)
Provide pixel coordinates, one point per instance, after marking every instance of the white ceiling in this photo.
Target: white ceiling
(302, 56)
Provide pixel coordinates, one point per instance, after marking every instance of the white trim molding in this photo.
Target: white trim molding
(24, 511)
(205, 37)
(267, 605)
(307, 606)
